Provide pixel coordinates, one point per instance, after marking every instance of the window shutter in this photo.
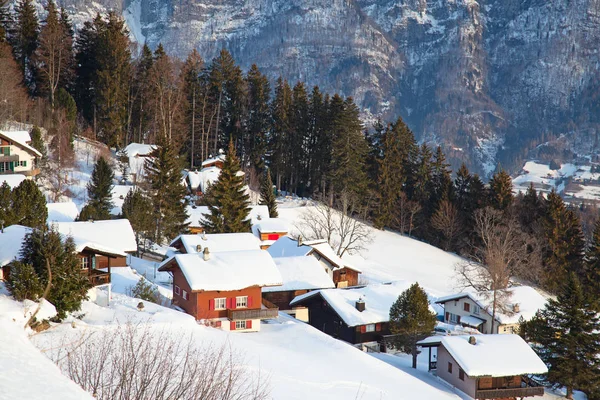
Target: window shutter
(378, 327)
(249, 324)
(232, 325)
(447, 316)
(249, 304)
(363, 329)
(233, 303)
(211, 304)
(228, 301)
(458, 319)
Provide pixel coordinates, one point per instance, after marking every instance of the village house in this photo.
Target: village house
(341, 272)
(485, 366)
(195, 218)
(300, 275)
(216, 242)
(17, 156)
(475, 310)
(269, 230)
(216, 161)
(137, 154)
(224, 289)
(354, 315)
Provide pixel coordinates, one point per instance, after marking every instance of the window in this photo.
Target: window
(177, 290)
(461, 374)
(371, 328)
(220, 303)
(241, 302)
(85, 263)
(185, 295)
(272, 236)
(23, 163)
(449, 367)
(454, 318)
(467, 307)
(476, 309)
(240, 325)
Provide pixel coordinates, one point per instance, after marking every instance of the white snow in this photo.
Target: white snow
(13, 180)
(219, 242)
(115, 234)
(10, 243)
(231, 270)
(203, 178)
(62, 212)
(271, 225)
(300, 273)
(543, 178)
(494, 355)
(137, 154)
(196, 214)
(378, 300)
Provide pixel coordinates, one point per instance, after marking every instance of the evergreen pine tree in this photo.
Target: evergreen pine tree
(297, 139)
(141, 116)
(195, 108)
(25, 40)
(259, 93)
(5, 21)
(375, 142)
(36, 140)
(530, 209)
(280, 128)
(566, 338)
(23, 282)
(501, 194)
(167, 194)
(564, 243)
(592, 264)
(320, 141)
(99, 190)
(411, 320)
(267, 196)
(7, 216)
(227, 200)
(441, 179)
(88, 64)
(135, 209)
(29, 205)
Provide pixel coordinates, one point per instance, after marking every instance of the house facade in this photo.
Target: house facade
(223, 289)
(17, 156)
(484, 367)
(475, 310)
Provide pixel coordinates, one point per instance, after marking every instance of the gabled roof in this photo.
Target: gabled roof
(528, 299)
(494, 355)
(378, 300)
(285, 246)
(218, 242)
(137, 154)
(220, 157)
(21, 139)
(10, 243)
(270, 225)
(301, 273)
(231, 270)
(62, 212)
(114, 236)
(203, 178)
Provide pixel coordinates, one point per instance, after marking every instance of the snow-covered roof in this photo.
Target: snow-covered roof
(494, 355)
(137, 154)
(13, 180)
(113, 236)
(301, 273)
(378, 300)
(285, 246)
(231, 270)
(218, 242)
(21, 139)
(62, 212)
(212, 160)
(10, 243)
(203, 178)
(271, 225)
(195, 214)
(528, 299)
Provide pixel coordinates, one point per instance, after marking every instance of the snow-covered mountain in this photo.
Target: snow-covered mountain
(473, 75)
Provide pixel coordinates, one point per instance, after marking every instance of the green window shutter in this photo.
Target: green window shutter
(94, 261)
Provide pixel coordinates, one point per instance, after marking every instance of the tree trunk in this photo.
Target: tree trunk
(414, 357)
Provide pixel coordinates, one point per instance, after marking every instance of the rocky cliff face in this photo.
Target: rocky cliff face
(477, 76)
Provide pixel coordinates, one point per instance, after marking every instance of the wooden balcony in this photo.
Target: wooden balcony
(13, 158)
(258, 313)
(98, 277)
(528, 388)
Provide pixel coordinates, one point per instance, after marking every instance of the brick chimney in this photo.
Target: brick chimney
(472, 340)
(360, 305)
(198, 248)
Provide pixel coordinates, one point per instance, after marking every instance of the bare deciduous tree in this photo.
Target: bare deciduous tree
(342, 228)
(134, 362)
(446, 219)
(502, 252)
(407, 211)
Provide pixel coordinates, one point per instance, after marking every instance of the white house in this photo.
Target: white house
(16, 154)
(137, 154)
(475, 309)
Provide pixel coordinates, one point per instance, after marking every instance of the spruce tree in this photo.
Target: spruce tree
(298, 136)
(592, 264)
(25, 40)
(36, 140)
(29, 205)
(135, 209)
(88, 64)
(141, 115)
(320, 141)
(566, 337)
(411, 320)
(267, 196)
(7, 216)
(227, 200)
(501, 194)
(167, 194)
(564, 243)
(259, 118)
(99, 190)
(5, 21)
(280, 129)
(441, 179)
(195, 108)
(23, 282)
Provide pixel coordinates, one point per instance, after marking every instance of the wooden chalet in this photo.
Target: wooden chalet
(214, 161)
(224, 289)
(17, 156)
(269, 230)
(487, 366)
(341, 272)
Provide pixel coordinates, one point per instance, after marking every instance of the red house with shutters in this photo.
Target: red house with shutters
(224, 289)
